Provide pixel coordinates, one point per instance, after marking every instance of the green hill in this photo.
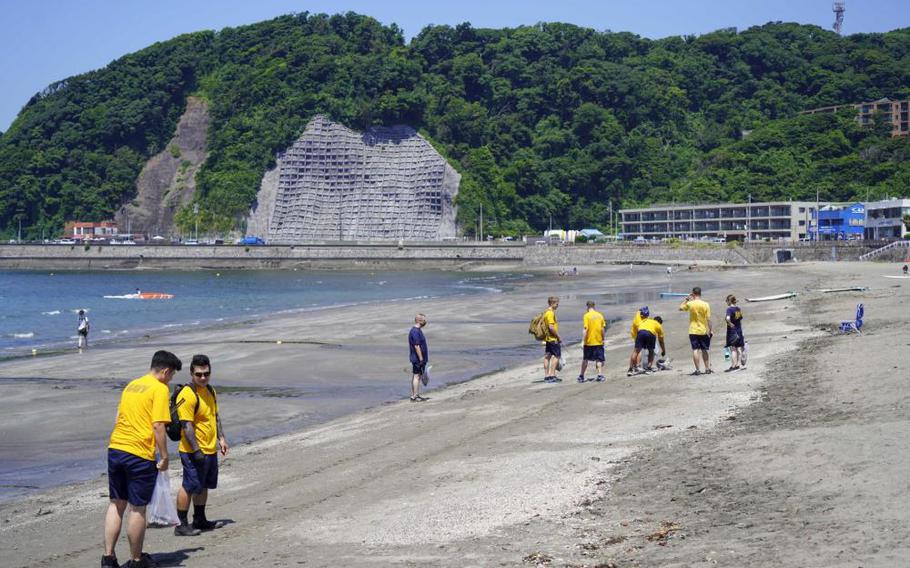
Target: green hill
(551, 119)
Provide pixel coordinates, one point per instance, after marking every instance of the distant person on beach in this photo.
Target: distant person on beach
(906, 270)
(700, 330)
(82, 327)
(735, 340)
(552, 350)
(420, 355)
(131, 467)
(200, 442)
(642, 312)
(650, 332)
(594, 325)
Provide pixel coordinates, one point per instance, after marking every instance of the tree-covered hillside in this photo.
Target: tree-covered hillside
(551, 119)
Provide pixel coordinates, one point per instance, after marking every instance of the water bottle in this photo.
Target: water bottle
(726, 353)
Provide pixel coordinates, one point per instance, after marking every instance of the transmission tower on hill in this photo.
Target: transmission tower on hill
(839, 8)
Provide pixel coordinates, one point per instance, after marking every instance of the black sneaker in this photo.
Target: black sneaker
(145, 561)
(110, 561)
(580, 379)
(208, 525)
(186, 530)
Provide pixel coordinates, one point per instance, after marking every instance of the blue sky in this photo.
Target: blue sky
(42, 41)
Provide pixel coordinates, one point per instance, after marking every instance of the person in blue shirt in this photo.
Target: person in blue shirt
(420, 355)
(735, 340)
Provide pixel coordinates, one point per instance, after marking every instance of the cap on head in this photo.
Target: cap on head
(696, 291)
(644, 311)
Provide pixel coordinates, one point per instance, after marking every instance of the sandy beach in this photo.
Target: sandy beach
(797, 461)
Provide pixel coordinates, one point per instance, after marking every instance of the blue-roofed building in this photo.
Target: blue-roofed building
(839, 223)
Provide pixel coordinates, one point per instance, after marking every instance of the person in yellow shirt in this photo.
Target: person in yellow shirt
(650, 331)
(200, 441)
(700, 330)
(552, 343)
(640, 314)
(594, 324)
(131, 467)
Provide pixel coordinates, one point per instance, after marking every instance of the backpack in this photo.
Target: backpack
(539, 327)
(175, 427)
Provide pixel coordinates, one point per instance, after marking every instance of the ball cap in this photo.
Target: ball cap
(644, 311)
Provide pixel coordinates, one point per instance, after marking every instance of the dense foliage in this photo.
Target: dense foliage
(551, 121)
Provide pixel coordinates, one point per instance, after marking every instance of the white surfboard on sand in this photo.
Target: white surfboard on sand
(771, 298)
(898, 276)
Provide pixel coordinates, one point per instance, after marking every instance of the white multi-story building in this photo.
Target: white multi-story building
(885, 219)
(777, 220)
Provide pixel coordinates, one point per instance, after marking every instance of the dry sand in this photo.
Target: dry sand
(798, 461)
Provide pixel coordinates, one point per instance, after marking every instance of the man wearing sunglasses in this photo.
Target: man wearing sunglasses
(202, 438)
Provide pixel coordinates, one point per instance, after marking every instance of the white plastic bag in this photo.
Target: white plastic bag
(161, 510)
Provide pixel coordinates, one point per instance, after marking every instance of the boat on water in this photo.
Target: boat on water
(772, 298)
(673, 294)
(142, 296)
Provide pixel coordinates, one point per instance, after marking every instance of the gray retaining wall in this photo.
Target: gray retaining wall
(408, 254)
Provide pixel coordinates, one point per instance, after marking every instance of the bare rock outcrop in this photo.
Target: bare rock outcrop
(168, 179)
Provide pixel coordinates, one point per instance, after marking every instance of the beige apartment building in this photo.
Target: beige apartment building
(775, 220)
(897, 111)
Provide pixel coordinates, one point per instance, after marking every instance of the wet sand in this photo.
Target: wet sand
(797, 461)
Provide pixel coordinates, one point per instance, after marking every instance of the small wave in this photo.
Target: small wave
(51, 313)
(105, 331)
(27, 335)
(168, 325)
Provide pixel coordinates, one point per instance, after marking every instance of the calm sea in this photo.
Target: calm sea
(39, 308)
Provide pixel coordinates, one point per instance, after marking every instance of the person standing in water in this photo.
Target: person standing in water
(82, 328)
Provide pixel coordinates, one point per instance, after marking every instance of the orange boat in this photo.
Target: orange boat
(154, 296)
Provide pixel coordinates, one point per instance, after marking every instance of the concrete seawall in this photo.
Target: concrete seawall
(340, 255)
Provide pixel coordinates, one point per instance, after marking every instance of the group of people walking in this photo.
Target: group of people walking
(140, 432)
(647, 333)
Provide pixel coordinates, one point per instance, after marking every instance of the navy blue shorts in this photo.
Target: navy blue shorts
(734, 339)
(702, 342)
(594, 353)
(645, 340)
(198, 478)
(417, 368)
(130, 478)
(552, 348)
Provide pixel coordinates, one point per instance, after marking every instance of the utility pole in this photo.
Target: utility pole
(818, 215)
(481, 223)
(19, 240)
(611, 215)
(196, 216)
(749, 220)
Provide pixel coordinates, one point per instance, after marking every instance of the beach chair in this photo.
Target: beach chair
(856, 325)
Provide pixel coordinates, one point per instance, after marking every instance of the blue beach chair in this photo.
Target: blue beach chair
(854, 325)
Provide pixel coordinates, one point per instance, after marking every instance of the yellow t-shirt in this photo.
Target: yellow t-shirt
(699, 313)
(144, 401)
(635, 323)
(594, 327)
(653, 326)
(203, 420)
(550, 316)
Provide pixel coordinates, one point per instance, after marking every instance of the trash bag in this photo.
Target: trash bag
(561, 364)
(425, 376)
(161, 510)
(745, 354)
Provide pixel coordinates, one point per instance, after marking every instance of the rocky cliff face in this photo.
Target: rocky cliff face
(168, 179)
(387, 183)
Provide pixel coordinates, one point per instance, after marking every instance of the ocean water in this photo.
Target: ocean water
(39, 308)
